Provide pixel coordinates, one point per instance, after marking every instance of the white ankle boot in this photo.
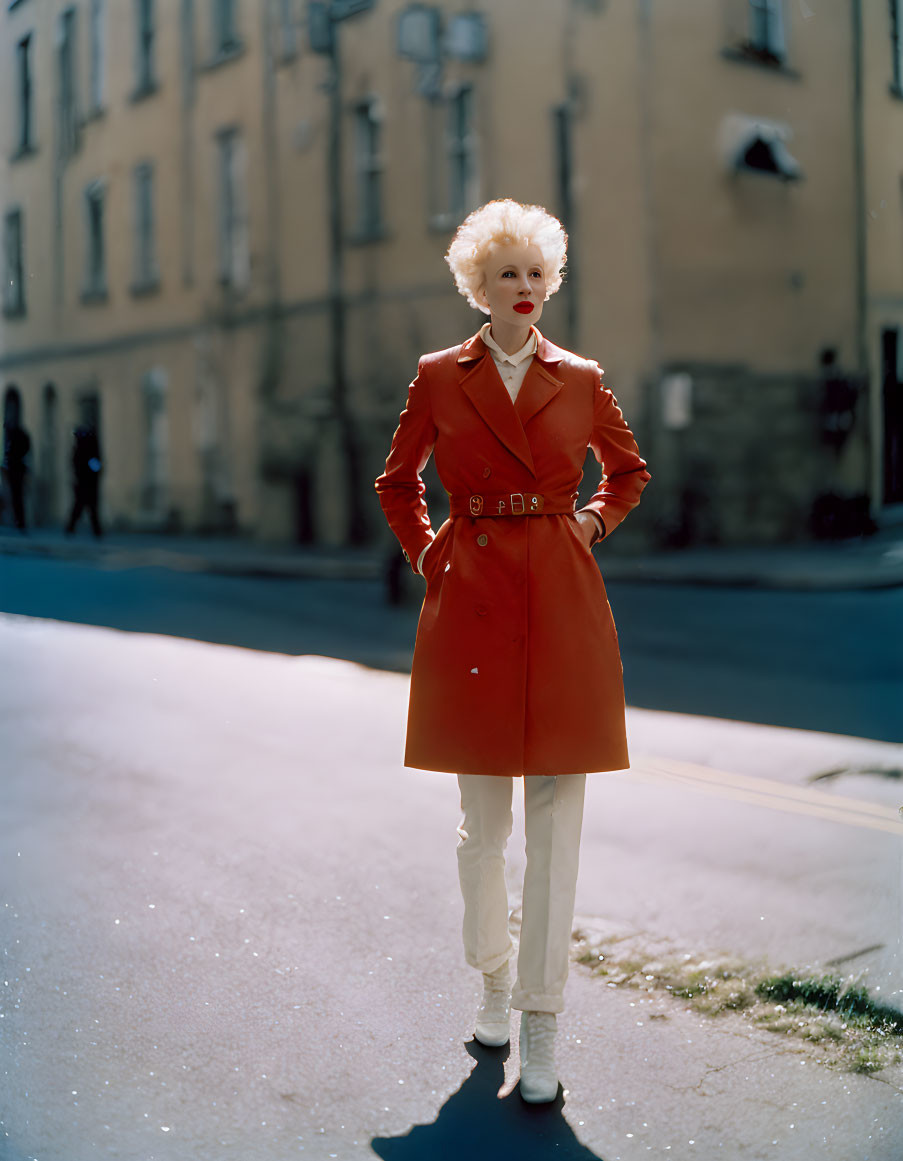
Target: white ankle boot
(494, 1014)
(538, 1077)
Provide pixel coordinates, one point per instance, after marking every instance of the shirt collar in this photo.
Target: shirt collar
(526, 351)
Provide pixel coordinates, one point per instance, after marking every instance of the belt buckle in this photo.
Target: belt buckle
(517, 498)
(476, 505)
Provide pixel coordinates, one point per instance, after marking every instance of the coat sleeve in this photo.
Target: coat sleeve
(400, 487)
(624, 474)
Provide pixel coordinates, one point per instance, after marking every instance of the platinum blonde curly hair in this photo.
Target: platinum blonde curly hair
(505, 222)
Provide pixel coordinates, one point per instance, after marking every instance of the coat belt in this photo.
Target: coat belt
(484, 504)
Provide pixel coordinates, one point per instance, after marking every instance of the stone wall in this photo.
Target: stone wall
(744, 457)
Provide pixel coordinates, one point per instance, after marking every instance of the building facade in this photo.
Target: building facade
(224, 224)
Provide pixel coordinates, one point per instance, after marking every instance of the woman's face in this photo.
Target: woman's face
(514, 284)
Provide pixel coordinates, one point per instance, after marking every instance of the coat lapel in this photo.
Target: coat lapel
(540, 383)
(482, 385)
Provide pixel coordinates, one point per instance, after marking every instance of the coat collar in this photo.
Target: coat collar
(483, 386)
(546, 352)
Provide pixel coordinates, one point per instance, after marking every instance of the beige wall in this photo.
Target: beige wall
(678, 263)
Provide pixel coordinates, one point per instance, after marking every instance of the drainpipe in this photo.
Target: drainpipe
(356, 528)
(859, 206)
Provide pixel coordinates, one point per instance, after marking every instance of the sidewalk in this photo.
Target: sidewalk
(872, 562)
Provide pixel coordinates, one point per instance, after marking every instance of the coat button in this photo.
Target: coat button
(482, 540)
(487, 472)
(480, 610)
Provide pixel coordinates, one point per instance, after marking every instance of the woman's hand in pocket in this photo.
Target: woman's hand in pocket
(422, 563)
(589, 528)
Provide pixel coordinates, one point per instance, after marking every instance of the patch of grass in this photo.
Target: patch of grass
(834, 1015)
(831, 993)
(869, 1058)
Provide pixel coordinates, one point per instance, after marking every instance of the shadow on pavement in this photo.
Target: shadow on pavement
(475, 1124)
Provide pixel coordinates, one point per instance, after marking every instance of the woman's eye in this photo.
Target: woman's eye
(536, 273)
(508, 274)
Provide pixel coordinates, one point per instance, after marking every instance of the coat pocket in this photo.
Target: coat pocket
(434, 560)
(573, 525)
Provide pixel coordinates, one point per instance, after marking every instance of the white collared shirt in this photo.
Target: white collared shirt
(511, 368)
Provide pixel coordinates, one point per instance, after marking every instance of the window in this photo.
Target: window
(187, 50)
(288, 30)
(145, 48)
(25, 89)
(98, 56)
(234, 258)
(95, 263)
(563, 131)
(13, 265)
(563, 126)
(766, 29)
(368, 171)
(225, 28)
(68, 89)
(461, 161)
(451, 154)
(146, 271)
(896, 44)
(467, 37)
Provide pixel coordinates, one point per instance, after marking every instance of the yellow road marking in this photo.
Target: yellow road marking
(770, 794)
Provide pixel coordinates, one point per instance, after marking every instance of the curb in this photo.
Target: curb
(786, 576)
(837, 580)
(124, 556)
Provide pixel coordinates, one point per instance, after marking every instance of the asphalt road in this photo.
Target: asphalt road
(830, 661)
(230, 919)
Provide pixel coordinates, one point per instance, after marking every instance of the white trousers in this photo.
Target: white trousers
(553, 812)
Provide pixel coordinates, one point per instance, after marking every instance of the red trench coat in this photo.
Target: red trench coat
(516, 664)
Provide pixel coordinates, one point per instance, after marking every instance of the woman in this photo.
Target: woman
(516, 668)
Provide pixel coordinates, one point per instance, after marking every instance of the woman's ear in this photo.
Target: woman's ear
(481, 299)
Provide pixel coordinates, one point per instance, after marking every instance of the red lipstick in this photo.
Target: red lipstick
(524, 307)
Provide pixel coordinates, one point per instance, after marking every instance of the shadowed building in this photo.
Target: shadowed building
(224, 224)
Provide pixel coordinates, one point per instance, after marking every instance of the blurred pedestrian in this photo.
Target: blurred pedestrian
(86, 469)
(516, 670)
(16, 451)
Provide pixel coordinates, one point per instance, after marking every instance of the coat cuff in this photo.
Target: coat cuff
(599, 522)
(414, 553)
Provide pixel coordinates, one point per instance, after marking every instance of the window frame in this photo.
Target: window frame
(97, 59)
(25, 145)
(225, 32)
(370, 225)
(95, 284)
(146, 270)
(14, 304)
(895, 35)
(233, 217)
(145, 49)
